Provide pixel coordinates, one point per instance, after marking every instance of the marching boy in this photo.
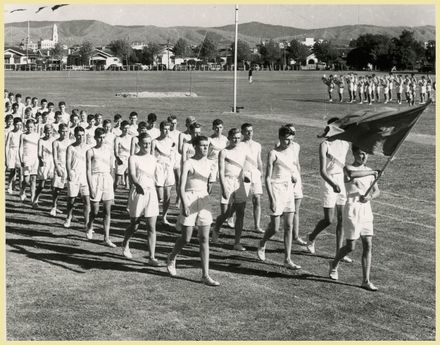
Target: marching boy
(358, 216)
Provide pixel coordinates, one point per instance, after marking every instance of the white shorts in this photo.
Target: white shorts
(30, 167)
(255, 187)
(330, 198)
(357, 220)
(77, 185)
(199, 207)
(45, 171)
(102, 185)
(164, 174)
(122, 168)
(235, 190)
(60, 181)
(214, 175)
(297, 188)
(284, 198)
(146, 205)
(177, 160)
(13, 159)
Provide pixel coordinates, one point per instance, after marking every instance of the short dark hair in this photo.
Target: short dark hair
(196, 141)
(133, 113)
(99, 131)
(89, 117)
(77, 130)
(194, 125)
(61, 127)
(284, 131)
(60, 103)
(117, 117)
(171, 118)
(333, 119)
(17, 120)
(30, 121)
(245, 125)
(151, 117)
(142, 124)
(106, 121)
(124, 123)
(163, 124)
(232, 132)
(217, 122)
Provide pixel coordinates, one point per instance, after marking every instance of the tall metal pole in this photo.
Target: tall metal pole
(27, 44)
(234, 110)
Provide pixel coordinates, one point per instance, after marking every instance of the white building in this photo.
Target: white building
(50, 44)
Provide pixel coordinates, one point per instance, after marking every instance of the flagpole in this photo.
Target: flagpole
(394, 152)
(234, 110)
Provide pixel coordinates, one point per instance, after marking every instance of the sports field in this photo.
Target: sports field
(60, 286)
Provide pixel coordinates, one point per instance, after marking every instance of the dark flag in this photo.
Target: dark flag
(40, 8)
(379, 132)
(58, 6)
(17, 10)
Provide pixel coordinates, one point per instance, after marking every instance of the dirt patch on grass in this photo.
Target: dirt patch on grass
(149, 94)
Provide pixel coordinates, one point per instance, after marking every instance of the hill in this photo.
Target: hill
(100, 33)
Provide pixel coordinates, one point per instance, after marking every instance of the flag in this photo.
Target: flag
(58, 6)
(379, 132)
(18, 9)
(40, 8)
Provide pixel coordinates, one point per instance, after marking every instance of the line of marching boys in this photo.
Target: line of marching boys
(92, 157)
(370, 88)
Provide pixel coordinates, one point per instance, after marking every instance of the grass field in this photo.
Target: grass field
(62, 287)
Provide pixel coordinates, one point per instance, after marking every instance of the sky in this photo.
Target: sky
(299, 16)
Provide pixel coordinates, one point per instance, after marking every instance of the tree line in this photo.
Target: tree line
(382, 52)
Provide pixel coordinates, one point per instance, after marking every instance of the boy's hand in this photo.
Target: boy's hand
(186, 211)
(336, 188)
(365, 198)
(139, 189)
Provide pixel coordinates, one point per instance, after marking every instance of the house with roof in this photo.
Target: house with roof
(102, 59)
(16, 58)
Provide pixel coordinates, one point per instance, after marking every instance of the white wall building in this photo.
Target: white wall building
(50, 44)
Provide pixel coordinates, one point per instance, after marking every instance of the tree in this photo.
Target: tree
(121, 49)
(298, 51)
(150, 52)
(270, 53)
(181, 48)
(326, 52)
(408, 51)
(57, 51)
(85, 52)
(243, 51)
(208, 49)
(430, 52)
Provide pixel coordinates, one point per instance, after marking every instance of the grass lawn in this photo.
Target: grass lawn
(60, 286)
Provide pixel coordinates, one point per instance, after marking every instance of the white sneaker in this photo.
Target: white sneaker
(239, 247)
(89, 234)
(53, 212)
(127, 253)
(231, 223)
(347, 259)
(171, 266)
(310, 246)
(153, 262)
(109, 243)
(300, 241)
(332, 272)
(67, 223)
(291, 265)
(10, 191)
(261, 253)
(22, 196)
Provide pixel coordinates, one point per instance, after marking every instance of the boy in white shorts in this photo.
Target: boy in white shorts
(174, 134)
(151, 126)
(76, 176)
(252, 169)
(163, 149)
(45, 158)
(280, 180)
(122, 152)
(195, 211)
(358, 216)
(332, 155)
(99, 179)
(59, 152)
(297, 187)
(185, 136)
(29, 158)
(217, 142)
(12, 147)
(142, 199)
(232, 181)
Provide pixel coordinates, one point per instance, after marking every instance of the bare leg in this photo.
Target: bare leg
(107, 218)
(86, 209)
(166, 204)
(345, 250)
(239, 211)
(256, 201)
(203, 233)
(323, 223)
(151, 225)
(366, 257)
(183, 240)
(339, 228)
(288, 227)
(129, 232)
(296, 220)
(177, 178)
(33, 186)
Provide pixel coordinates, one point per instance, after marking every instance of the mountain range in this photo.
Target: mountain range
(99, 33)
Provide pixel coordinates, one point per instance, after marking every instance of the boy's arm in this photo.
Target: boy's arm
(68, 165)
(259, 161)
(183, 179)
(133, 146)
(323, 170)
(374, 193)
(20, 149)
(221, 171)
(8, 139)
(269, 168)
(89, 156)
